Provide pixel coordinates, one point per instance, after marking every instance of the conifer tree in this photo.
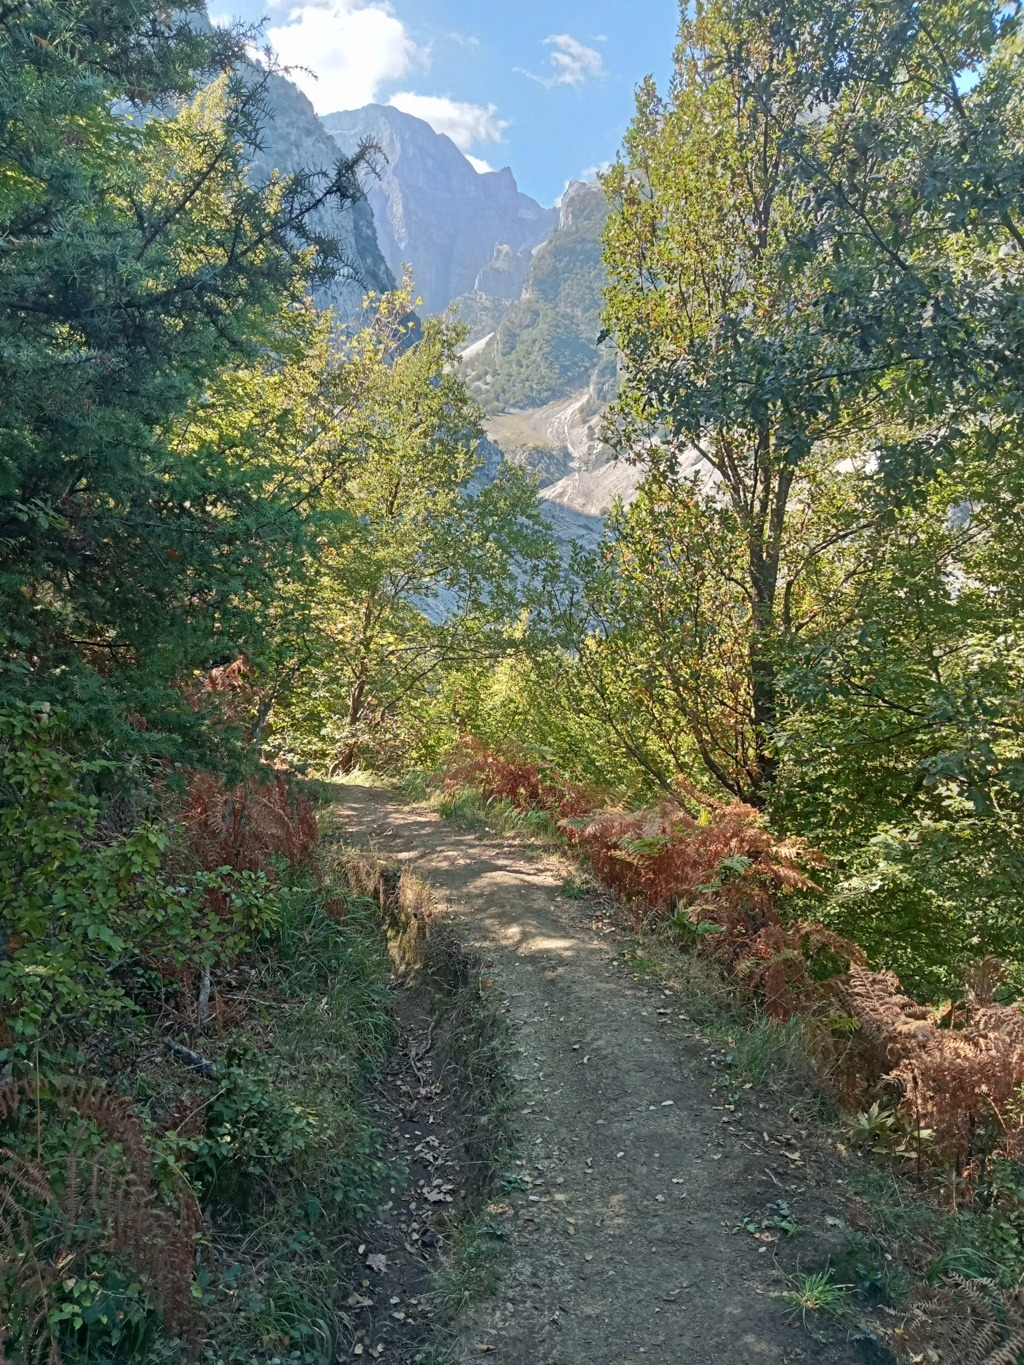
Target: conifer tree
(138, 259)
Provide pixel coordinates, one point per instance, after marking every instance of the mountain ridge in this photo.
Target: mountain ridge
(294, 139)
(527, 282)
(454, 225)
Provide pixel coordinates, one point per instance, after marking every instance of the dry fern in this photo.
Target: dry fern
(100, 1197)
(967, 1322)
(245, 827)
(961, 1083)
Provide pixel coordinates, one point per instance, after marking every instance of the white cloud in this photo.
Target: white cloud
(480, 166)
(572, 62)
(465, 124)
(350, 49)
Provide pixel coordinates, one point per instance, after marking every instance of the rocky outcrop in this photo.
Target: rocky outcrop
(460, 231)
(294, 139)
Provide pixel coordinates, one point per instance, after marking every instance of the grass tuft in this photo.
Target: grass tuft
(817, 1293)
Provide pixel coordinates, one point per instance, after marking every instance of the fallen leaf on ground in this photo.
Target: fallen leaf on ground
(378, 1262)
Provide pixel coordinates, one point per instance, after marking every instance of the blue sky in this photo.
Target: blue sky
(543, 86)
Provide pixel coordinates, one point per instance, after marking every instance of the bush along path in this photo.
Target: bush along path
(656, 1210)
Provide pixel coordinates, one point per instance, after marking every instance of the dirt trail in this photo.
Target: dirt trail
(626, 1243)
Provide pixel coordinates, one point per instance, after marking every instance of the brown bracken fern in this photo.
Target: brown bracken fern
(968, 1322)
(245, 827)
(960, 1082)
(99, 1197)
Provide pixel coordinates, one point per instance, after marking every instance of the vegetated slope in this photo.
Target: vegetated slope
(544, 380)
(458, 230)
(546, 345)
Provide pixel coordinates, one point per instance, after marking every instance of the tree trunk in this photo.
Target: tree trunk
(346, 760)
(262, 716)
(764, 542)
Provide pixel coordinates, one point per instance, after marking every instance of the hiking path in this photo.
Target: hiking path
(648, 1226)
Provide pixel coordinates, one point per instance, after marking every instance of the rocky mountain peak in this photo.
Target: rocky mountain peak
(294, 139)
(439, 215)
(581, 200)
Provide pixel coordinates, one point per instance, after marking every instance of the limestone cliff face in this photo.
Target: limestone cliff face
(294, 139)
(459, 231)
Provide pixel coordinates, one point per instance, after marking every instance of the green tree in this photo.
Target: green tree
(428, 565)
(798, 239)
(816, 267)
(138, 261)
(904, 733)
(715, 316)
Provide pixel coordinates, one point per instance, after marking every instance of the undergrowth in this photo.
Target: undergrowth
(293, 1166)
(467, 807)
(192, 1005)
(472, 1270)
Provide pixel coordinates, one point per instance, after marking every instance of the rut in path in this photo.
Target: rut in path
(626, 1243)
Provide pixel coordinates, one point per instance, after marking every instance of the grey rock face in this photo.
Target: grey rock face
(295, 140)
(459, 231)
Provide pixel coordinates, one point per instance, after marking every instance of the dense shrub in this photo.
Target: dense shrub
(144, 931)
(92, 1249)
(90, 908)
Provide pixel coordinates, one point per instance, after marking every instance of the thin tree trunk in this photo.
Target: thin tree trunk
(346, 759)
(764, 553)
(262, 716)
